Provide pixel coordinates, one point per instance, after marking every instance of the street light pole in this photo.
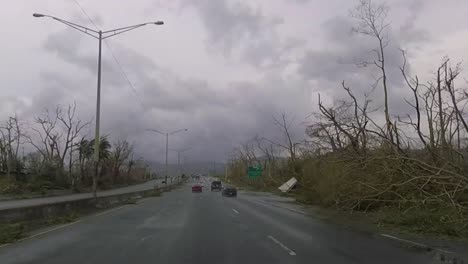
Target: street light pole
(167, 146)
(98, 116)
(178, 161)
(167, 154)
(100, 36)
(178, 157)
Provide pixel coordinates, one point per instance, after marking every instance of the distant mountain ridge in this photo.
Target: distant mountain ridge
(212, 168)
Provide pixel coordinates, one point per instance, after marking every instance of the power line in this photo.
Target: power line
(113, 56)
(86, 14)
(124, 74)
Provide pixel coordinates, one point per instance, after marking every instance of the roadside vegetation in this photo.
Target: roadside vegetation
(12, 232)
(407, 171)
(51, 155)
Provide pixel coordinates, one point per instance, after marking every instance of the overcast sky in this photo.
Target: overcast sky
(220, 68)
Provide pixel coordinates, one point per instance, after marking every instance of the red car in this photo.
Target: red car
(197, 188)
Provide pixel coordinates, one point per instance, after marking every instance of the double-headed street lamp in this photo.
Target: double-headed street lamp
(179, 151)
(167, 145)
(99, 35)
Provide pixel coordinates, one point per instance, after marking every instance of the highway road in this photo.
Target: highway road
(184, 227)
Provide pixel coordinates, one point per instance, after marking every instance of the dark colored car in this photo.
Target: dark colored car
(197, 188)
(216, 185)
(230, 191)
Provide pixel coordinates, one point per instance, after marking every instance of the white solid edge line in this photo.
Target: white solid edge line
(65, 225)
(47, 231)
(111, 210)
(62, 226)
(283, 207)
(4, 245)
(404, 240)
(415, 243)
(235, 211)
(292, 253)
(143, 200)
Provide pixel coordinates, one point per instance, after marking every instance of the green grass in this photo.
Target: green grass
(131, 200)
(10, 233)
(154, 193)
(431, 220)
(60, 220)
(435, 221)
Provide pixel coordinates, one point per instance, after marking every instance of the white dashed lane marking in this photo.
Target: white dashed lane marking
(292, 253)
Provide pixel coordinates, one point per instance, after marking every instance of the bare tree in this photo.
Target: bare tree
(361, 119)
(10, 141)
(122, 150)
(413, 84)
(47, 134)
(440, 104)
(57, 133)
(266, 148)
(72, 127)
(130, 164)
(334, 116)
(289, 144)
(450, 75)
(372, 21)
(325, 136)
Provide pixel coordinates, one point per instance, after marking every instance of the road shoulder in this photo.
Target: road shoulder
(441, 249)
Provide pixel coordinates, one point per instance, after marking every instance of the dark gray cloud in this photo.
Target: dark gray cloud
(11, 105)
(409, 33)
(236, 29)
(242, 63)
(349, 57)
(218, 119)
(81, 51)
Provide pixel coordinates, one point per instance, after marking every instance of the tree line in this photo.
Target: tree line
(60, 156)
(412, 164)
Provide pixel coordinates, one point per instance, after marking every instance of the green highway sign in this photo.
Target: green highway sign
(254, 172)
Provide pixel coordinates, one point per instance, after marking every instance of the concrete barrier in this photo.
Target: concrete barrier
(81, 206)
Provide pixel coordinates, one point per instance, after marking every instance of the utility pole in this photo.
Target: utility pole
(178, 161)
(167, 155)
(100, 36)
(179, 151)
(215, 173)
(225, 173)
(98, 118)
(167, 146)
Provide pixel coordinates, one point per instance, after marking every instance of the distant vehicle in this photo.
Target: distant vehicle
(216, 185)
(197, 188)
(230, 191)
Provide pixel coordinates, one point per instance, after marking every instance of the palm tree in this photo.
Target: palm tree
(104, 153)
(85, 150)
(104, 148)
(85, 153)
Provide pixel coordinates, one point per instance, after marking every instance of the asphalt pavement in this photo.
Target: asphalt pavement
(185, 227)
